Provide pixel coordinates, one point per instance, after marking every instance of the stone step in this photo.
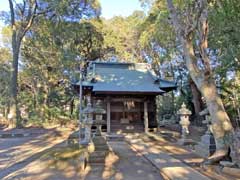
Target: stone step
(113, 130)
(127, 131)
(130, 124)
(100, 143)
(127, 128)
(118, 121)
(97, 154)
(98, 157)
(102, 148)
(98, 160)
(99, 140)
(115, 137)
(99, 165)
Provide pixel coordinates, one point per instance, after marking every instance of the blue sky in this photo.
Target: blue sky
(4, 5)
(110, 8)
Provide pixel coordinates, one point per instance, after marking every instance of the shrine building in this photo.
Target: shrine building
(128, 93)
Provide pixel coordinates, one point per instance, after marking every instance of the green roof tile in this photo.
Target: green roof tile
(123, 77)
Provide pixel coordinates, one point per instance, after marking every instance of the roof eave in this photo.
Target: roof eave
(129, 92)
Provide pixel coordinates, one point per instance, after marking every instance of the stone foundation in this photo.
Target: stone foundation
(101, 150)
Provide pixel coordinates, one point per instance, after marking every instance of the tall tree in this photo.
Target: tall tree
(22, 16)
(26, 13)
(190, 21)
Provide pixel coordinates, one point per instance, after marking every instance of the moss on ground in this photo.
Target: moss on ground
(62, 158)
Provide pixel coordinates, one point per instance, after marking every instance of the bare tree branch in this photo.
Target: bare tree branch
(203, 35)
(12, 12)
(175, 19)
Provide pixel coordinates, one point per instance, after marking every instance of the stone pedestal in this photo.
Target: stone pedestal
(206, 146)
(101, 150)
(87, 122)
(87, 133)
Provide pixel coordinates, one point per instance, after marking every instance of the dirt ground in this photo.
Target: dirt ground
(30, 158)
(19, 154)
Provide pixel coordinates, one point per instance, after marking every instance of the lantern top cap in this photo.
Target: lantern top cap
(98, 108)
(183, 110)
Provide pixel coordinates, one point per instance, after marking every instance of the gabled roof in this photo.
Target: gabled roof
(167, 85)
(123, 78)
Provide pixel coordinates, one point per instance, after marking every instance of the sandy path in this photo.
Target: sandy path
(124, 164)
(17, 154)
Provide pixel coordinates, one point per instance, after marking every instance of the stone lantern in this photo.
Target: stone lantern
(98, 122)
(206, 146)
(184, 120)
(87, 122)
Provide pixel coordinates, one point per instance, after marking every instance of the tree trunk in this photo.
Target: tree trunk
(14, 78)
(196, 22)
(19, 30)
(45, 114)
(71, 107)
(197, 101)
(221, 126)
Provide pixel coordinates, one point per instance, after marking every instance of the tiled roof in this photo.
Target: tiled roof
(105, 77)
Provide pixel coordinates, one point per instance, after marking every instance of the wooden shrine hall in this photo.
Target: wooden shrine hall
(127, 92)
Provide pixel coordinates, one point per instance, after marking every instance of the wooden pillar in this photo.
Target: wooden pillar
(145, 117)
(155, 111)
(108, 116)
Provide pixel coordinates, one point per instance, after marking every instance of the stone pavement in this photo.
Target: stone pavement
(170, 167)
(140, 157)
(124, 164)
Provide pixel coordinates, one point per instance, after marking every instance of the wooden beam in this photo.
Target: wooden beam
(127, 93)
(145, 117)
(127, 99)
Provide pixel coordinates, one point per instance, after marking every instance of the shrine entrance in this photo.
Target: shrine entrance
(126, 116)
(128, 94)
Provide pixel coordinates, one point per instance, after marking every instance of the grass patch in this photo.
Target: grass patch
(67, 153)
(63, 158)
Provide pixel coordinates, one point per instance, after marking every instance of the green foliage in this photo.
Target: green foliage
(224, 39)
(5, 73)
(83, 39)
(65, 29)
(22, 17)
(159, 42)
(121, 37)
